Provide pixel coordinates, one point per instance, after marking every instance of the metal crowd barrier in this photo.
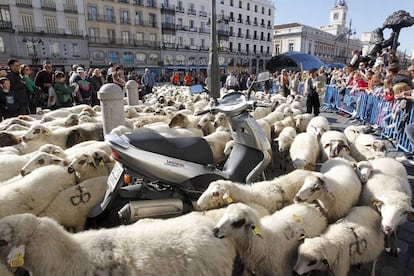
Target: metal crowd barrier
(370, 109)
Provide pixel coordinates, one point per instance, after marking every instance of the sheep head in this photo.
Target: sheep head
(363, 169)
(179, 120)
(80, 161)
(336, 147)
(217, 195)
(71, 120)
(311, 256)
(394, 209)
(312, 188)
(40, 159)
(238, 221)
(35, 132)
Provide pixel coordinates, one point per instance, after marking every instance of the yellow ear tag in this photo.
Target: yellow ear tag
(301, 237)
(16, 256)
(228, 199)
(48, 133)
(297, 218)
(256, 230)
(101, 163)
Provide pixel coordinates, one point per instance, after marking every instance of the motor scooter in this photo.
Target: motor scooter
(159, 177)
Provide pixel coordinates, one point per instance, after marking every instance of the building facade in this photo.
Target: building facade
(35, 30)
(332, 43)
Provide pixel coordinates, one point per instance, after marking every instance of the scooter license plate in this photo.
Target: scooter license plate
(114, 176)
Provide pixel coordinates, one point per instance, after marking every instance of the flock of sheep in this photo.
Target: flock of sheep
(53, 170)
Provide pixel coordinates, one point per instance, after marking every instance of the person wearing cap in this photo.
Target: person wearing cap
(44, 80)
(82, 87)
(18, 86)
(311, 94)
(63, 91)
(73, 74)
(9, 105)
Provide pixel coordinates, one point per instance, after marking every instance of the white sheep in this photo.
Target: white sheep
(90, 164)
(364, 170)
(272, 194)
(266, 127)
(278, 126)
(391, 196)
(333, 144)
(178, 246)
(34, 192)
(168, 132)
(389, 166)
(10, 165)
(286, 138)
(337, 187)
(217, 142)
(71, 207)
(221, 121)
(317, 126)
(273, 116)
(366, 147)
(351, 132)
(304, 151)
(267, 245)
(39, 159)
(302, 121)
(184, 121)
(355, 239)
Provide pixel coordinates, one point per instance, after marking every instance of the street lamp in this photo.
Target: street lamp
(31, 44)
(348, 33)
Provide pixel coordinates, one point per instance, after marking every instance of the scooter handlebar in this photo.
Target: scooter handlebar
(210, 110)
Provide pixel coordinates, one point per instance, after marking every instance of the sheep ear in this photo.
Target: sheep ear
(256, 230)
(325, 262)
(376, 202)
(56, 160)
(227, 198)
(326, 145)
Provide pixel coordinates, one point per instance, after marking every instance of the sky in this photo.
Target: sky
(366, 16)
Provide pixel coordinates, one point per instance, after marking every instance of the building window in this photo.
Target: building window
(255, 8)
(291, 46)
(152, 20)
(248, 48)
(111, 35)
(138, 18)
(222, 2)
(277, 49)
(128, 58)
(72, 26)
(113, 57)
(231, 3)
(109, 15)
(139, 38)
(267, 50)
(239, 47)
(180, 42)
(240, 4)
(309, 48)
(124, 17)
(92, 12)
(76, 50)
(192, 42)
(248, 6)
(153, 38)
(203, 43)
(50, 23)
(54, 49)
(94, 34)
(263, 10)
(270, 12)
(27, 22)
(125, 37)
(2, 48)
(4, 15)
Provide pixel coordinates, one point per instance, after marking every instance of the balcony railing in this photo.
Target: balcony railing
(24, 3)
(124, 42)
(223, 33)
(247, 22)
(166, 25)
(6, 25)
(240, 35)
(151, 4)
(70, 8)
(202, 13)
(138, 2)
(46, 31)
(204, 31)
(152, 24)
(167, 8)
(181, 27)
(124, 20)
(193, 29)
(101, 18)
(248, 36)
(180, 9)
(48, 5)
(192, 12)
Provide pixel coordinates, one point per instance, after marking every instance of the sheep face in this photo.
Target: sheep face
(312, 188)
(220, 120)
(80, 161)
(310, 257)
(238, 221)
(336, 147)
(179, 120)
(364, 170)
(394, 212)
(35, 132)
(72, 120)
(52, 149)
(217, 195)
(41, 159)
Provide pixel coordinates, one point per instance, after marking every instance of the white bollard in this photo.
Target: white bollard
(132, 92)
(111, 97)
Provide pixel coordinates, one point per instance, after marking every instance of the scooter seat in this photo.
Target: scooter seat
(193, 149)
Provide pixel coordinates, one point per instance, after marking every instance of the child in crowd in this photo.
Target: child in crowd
(9, 106)
(63, 91)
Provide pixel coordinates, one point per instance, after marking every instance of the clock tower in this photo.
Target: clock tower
(337, 18)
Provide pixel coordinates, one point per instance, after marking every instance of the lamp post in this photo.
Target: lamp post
(213, 66)
(31, 43)
(348, 32)
(257, 64)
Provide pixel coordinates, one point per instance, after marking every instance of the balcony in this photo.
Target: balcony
(255, 23)
(48, 31)
(247, 22)
(138, 2)
(151, 4)
(240, 35)
(180, 9)
(181, 27)
(193, 29)
(248, 36)
(169, 26)
(102, 18)
(123, 1)
(24, 3)
(48, 5)
(204, 31)
(223, 35)
(70, 8)
(6, 26)
(125, 20)
(239, 20)
(269, 26)
(123, 42)
(150, 23)
(192, 12)
(202, 13)
(167, 9)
